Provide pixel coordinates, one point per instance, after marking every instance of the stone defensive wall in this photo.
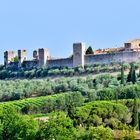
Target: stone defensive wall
(99, 58)
(114, 57)
(66, 62)
(79, 58)
(30, 63)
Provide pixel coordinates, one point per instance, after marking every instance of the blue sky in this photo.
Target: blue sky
(57, 24)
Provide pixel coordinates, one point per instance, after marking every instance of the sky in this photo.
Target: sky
(57, 24)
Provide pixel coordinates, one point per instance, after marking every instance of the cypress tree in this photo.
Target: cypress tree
(89, 50)
(139, 73)
(132, 75)
(71, 111)
(135, 115)
(116, 96)
(122, 74)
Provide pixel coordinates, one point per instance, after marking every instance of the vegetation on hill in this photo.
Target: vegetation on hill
(73, 108)
(46, 104)
(92, 120)
(26, 73)
(101, 87)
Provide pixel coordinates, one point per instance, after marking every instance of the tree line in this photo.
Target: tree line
(102, 87)
(30, 73)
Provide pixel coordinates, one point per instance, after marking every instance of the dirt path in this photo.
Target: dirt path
(44, 119)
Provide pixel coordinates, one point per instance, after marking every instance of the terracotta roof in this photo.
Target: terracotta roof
(134, 41)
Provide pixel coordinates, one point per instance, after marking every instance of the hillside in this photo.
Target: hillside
(94, 102)
(45, 72)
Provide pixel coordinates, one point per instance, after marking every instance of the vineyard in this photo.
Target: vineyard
(46, 104)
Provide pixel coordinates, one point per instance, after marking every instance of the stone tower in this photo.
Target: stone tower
(21, 55)
(78, 54)
(8, 57)
(35, 54)
(43, 56)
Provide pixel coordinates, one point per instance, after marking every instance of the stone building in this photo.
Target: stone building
(108, 50)
(9, 57)
(132, 45)
(130, 52)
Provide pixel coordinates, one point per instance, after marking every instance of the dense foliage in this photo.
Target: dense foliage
(14, 126)
(93, 120)
(74, 108)
(101, 87)
(103, 113)
(30, 73)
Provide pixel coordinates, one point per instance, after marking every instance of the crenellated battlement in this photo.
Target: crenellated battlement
(128, 53)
